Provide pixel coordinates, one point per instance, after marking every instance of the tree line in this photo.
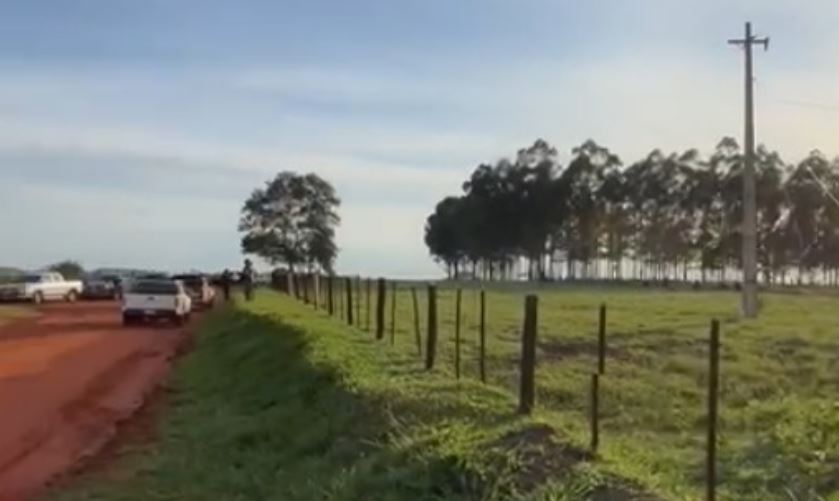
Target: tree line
(655, 219)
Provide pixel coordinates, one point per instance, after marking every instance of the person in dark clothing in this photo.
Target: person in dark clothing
(226, 278)
(247, 279)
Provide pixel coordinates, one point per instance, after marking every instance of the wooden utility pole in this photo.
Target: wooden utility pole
(749, 230)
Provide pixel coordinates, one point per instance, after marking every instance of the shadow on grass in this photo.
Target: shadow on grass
(263, 409)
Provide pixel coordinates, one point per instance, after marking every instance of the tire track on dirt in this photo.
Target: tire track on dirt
(87, 375)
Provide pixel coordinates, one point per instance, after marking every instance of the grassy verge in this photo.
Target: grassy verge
(279, 402)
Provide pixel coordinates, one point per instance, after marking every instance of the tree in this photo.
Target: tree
(444, 234)
(69, 269)
(292, 220)
(582, 181)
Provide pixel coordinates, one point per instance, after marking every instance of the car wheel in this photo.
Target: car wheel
(127, 320)
(38, 297)
(179, 320)
(72, 296)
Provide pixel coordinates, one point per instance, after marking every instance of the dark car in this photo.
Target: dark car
(102, 287)
(198, 288)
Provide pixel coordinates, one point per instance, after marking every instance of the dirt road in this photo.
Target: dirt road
(67, 378)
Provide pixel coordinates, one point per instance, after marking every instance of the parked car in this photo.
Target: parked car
(101, 287)
(156, 299)
(198, 287)
(40, 287)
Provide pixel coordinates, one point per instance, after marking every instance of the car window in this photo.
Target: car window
(191, 281)
(162, 287)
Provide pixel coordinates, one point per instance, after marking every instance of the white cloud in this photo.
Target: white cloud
(393, 141)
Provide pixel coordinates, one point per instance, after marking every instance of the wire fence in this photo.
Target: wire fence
(508, 357)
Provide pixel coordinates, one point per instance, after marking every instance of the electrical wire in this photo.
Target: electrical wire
(808, 104)
(823, 186)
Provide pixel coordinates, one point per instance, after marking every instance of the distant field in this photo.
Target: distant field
(779, 430)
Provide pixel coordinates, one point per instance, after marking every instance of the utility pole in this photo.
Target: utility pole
(749, 229)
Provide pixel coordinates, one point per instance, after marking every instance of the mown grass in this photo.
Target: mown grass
(779, 424)
(279, 402)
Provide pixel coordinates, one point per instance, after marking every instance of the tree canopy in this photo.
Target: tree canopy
(292, 221)
(658, 217)
(69, 269)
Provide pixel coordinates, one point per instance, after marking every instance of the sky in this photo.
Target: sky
(132, 132)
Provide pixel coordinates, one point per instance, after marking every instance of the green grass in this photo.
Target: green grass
(279, 402)
(779, 424)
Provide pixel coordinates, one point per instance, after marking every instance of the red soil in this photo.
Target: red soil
(68, 378)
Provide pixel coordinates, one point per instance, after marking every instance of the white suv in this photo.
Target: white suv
(154, 299)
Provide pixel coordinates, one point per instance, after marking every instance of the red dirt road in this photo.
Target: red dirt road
(67, 379)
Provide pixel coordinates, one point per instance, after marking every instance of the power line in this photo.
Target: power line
(823, 185)
(808, 104)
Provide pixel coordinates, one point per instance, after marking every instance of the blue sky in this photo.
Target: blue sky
(131, 132)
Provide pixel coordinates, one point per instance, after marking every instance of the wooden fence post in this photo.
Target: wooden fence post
(358, 300)
(330, 296)
(713, 399)
(457, 316)
(367, 303)
(392, 313)
(431, 336)
(482, 334)
(527, 390)
(601, 341)
(595, 412)
(380, 309)
(348, 286)
(417, 334)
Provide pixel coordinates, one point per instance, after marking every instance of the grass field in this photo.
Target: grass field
(280, 402)
(779, 423)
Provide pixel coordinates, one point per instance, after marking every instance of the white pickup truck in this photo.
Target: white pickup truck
(40, 287)
(153, 299)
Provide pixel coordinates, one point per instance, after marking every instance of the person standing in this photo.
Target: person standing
(225, 284)
(247, 279)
